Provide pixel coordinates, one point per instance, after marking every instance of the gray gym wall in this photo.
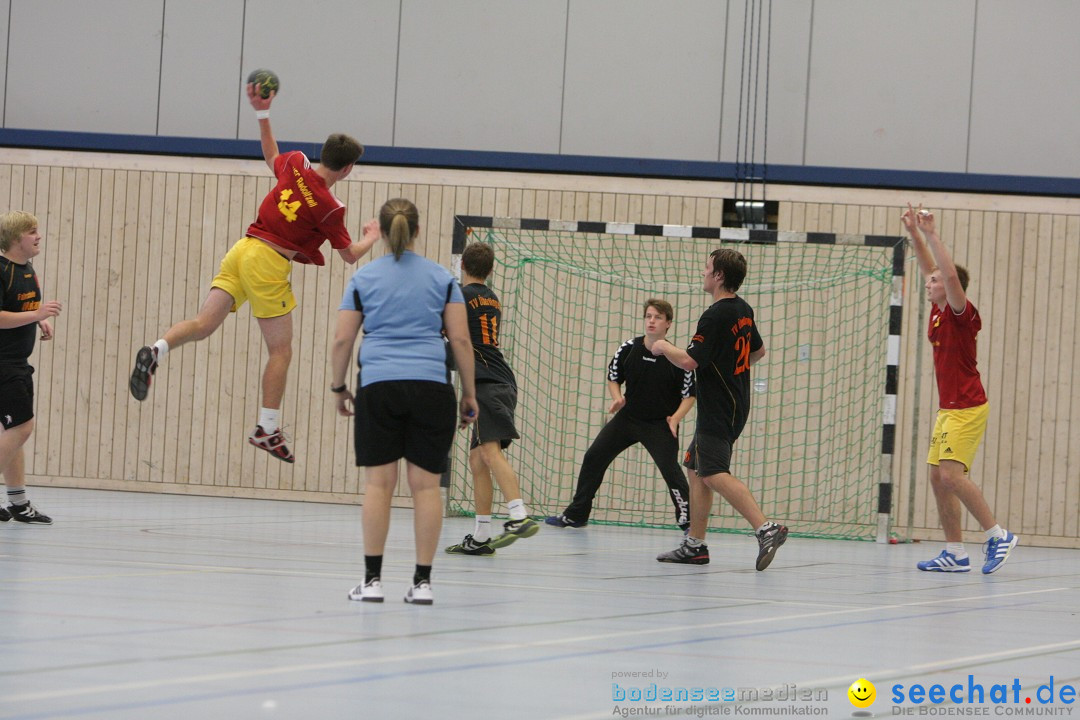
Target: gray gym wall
(980, 86)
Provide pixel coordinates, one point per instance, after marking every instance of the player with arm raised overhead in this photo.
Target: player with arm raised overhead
(658, 396)
(293, 221)
(963, 408)
(725, 345)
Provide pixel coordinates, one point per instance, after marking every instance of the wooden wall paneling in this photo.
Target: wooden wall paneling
(107, 357)
(204, 415)
(1024, 231)
(89, 391)
(6, 204)
(1065, 467)
(1005, 319)
(1045, 356)
(168, 281)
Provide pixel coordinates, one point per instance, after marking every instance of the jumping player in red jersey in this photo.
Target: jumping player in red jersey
(725, 345)
(293, 221)
(961, 419)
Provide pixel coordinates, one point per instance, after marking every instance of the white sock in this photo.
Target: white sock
(768, 524)
(269, 419)
(996, 532)
(162, 348)
(516, 508)
(693, 541)
(482, 530)
(957, 549)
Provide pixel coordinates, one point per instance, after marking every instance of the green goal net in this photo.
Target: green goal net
(812, 450)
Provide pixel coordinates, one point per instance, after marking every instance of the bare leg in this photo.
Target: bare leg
(12, 456)
(952, 486)
(493, 457)
(701, 500)
(278, 333)
(427, 512)
(483, 492)
(735, 492)
(213, 312)
(379, 488)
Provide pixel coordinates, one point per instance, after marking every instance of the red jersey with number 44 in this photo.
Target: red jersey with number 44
(953, 338)
(300, 212)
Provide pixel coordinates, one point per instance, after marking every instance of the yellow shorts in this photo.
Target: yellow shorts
(254, 272)
(957, 434)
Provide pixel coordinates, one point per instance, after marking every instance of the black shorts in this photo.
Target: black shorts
(16, 396)
(411, 419)
(497, 403)
(708, 455)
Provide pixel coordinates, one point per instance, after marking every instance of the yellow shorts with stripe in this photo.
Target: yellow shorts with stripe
(254, 272)
(957, 434)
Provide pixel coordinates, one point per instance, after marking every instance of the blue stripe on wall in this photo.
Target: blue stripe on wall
(536, 162)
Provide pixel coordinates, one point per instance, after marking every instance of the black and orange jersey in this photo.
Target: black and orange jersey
(726, 335)
(485, 316)
(19, 292)
(654, 387)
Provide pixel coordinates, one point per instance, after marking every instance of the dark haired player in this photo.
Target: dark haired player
(658, 396)
(721, 352)
(494, 430)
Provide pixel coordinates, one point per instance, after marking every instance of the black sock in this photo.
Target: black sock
(372, 567)
(422, 574)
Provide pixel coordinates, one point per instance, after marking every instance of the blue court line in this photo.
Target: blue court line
(279, 689)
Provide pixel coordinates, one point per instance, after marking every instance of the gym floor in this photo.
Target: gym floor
(161, 606)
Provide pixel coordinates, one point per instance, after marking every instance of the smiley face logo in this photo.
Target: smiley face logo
(862, 693)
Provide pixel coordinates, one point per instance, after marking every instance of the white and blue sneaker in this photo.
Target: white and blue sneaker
(997, 551)
(946, 562)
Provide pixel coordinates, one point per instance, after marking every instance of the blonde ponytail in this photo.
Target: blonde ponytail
(399, 222)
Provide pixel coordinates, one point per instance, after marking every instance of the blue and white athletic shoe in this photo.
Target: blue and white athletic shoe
(946, 562)
(997, 551)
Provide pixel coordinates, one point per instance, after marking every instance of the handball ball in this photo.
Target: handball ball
(267, 80)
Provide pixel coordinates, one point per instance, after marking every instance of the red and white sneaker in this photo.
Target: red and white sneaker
(273, 443)
(145, 366)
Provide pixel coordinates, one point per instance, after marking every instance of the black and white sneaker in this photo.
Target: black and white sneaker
(145, 366)
(769, 539)
(470, 546)
(686, 554)
(28, 514)
(4, 514)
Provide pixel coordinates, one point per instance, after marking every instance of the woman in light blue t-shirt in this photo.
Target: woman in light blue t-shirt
(404, 403)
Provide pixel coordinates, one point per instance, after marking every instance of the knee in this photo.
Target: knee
(490, 453)
(21, 433)
(281, 352)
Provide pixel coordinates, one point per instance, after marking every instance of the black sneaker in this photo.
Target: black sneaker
(145, 367)
(28, 514)
(769, 539)
(468, 546)
(686, 554)
(563, 521)
(515, 529)
(4, 514)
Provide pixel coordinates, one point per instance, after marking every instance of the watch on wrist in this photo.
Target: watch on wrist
(338, 390)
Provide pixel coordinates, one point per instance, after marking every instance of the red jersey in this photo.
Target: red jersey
(953, 338)
(300, 212)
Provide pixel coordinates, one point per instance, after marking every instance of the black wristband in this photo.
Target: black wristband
(338, 390)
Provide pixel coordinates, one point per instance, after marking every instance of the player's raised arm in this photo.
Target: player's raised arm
(950, 278)
(262, 113)
(922, 252)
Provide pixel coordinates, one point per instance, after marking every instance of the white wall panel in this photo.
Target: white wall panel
(644, 80)
(1025, 108)
(481, 75)
(889, 84)
(782, 73)
(87, 66)
(336, 61)
(200, 68)
(5, 9)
